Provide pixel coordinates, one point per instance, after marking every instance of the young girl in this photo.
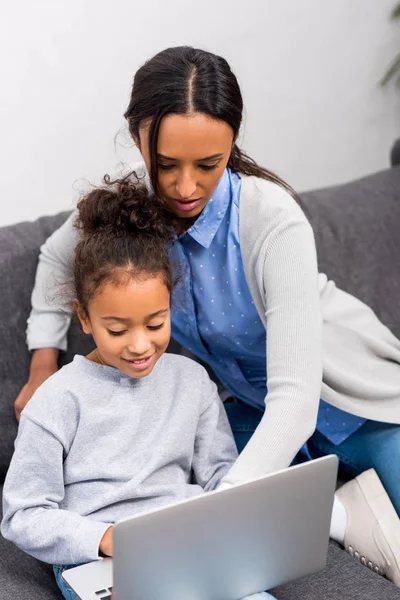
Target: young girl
(126, 428)
(251, 304)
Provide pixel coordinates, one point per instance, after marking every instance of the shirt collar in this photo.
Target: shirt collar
(206, 226)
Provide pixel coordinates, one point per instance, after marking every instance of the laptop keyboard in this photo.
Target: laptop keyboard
(104, 594)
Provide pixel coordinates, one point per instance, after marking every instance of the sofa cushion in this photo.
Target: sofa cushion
(24, 578)
(357, 233)
(19, 251)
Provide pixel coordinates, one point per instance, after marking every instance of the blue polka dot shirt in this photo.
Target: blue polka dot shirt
(213, 313)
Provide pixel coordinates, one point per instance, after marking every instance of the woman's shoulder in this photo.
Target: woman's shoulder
(267, 196)
(266, 208)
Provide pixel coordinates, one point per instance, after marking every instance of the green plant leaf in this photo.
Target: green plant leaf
(392, 71)
(395, 14)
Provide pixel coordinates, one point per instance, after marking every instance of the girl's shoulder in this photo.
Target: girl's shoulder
(60, 393)
(185, 371)
(183, 367)
(191, 379)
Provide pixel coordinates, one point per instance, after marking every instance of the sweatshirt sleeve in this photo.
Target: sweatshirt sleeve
(214, 449)
(50, 316)
(287, 275)
(33, 492)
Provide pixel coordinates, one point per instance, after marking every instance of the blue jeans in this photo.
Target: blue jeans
(70, 595)
(375, 445)
(64, 587)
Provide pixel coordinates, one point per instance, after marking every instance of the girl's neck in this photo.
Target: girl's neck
(96, 357)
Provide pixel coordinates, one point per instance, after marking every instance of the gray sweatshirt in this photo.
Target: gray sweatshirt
(95, 446)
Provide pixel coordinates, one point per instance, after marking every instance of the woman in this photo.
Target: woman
(250, 303)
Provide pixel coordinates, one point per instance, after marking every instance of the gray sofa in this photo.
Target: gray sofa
(357, 228)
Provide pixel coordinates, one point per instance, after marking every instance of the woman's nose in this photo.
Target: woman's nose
(186, 186)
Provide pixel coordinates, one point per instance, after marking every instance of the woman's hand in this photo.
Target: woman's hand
(44, 363)
(106, 543)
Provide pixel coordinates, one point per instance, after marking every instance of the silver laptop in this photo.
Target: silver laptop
(223, 545)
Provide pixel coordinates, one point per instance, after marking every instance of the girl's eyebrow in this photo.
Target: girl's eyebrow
(212, 157)
(163, 311)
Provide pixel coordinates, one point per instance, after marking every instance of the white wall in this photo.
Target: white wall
(309, 73)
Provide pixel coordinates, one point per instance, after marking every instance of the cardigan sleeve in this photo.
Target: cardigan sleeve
(51, 311)
(283, 277)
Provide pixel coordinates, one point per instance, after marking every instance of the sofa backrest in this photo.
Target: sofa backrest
(19, 251)
(357, 231)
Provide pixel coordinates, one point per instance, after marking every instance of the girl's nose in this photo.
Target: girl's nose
(139, 345)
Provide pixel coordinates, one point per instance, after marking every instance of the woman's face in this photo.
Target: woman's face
(193, 151)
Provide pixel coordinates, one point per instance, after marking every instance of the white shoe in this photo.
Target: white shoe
(373, 528)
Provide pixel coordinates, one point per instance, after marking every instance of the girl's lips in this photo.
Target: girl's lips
(140, 364)
(186, 205)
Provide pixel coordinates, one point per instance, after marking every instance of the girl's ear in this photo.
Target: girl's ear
(84, 321)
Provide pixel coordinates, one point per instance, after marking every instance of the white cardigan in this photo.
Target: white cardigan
(354, 355)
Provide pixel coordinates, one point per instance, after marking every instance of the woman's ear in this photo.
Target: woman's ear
(136, 141)
(236, 136)
(83, 319)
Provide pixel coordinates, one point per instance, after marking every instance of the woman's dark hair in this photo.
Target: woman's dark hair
(182, 80)
(125, 233)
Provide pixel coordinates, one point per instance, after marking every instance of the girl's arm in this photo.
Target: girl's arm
(214, 449)
(33, 492)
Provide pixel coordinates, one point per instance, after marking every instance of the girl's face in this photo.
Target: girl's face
(193, 151)
(130, 324)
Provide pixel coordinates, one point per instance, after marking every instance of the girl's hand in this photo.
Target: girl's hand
(106, 543)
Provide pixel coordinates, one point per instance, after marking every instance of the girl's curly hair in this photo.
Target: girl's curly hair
(126, 232)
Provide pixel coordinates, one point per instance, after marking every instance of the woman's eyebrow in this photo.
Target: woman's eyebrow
(212, 157)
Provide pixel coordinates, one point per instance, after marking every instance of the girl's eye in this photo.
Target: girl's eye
(166, 167)
(208, 167)
(115, 333)
(155, 327)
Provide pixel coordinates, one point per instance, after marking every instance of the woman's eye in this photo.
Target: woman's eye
(166, 167)
(115, 333)
(208, 167)
(155, 327)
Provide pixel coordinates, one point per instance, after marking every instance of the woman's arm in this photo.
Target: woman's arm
(51, 309)
(33, 491)
(285, 277)
(214, 449)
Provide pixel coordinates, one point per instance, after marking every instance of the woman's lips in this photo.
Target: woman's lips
(186, 205)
